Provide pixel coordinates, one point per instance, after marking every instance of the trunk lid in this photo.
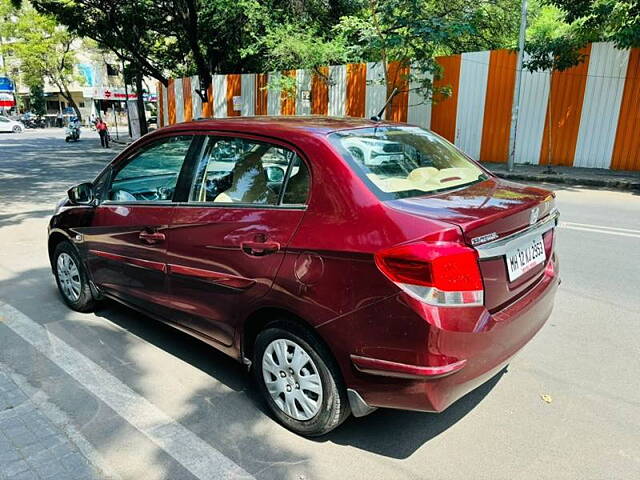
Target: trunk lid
(488, 211)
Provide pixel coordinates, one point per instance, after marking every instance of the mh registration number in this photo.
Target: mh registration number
(524, 257)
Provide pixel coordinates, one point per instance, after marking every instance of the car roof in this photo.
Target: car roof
(276, 125)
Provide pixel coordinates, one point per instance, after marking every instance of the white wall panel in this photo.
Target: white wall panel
(419, 108)
(273, 95)
(303, 84)
(337, 90)
(248, 92)
(534, 97)
(179, 100)
(196, 101)
(165, 106)
(376, 94)
(219, 96)
(474, 72)
(601, 106)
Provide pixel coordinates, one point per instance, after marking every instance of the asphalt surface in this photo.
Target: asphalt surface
(139, 400)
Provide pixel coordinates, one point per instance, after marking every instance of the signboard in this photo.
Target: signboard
(6, 84)
(237, 103)
(106, 93)
(7, 100)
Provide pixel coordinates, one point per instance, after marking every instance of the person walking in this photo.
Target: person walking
(103, 131)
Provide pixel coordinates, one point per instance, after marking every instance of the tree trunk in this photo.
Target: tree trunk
(142, 116)
(193, 37)
(66, 94)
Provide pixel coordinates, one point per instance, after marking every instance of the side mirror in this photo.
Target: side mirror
(82, 194)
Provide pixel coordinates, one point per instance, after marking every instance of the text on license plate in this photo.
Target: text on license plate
(524, 257)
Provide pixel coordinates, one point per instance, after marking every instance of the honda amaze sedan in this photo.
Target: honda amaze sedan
(345, 282)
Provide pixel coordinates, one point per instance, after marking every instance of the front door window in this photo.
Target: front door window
(152, 175)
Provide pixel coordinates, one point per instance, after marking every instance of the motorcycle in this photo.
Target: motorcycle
(72, 133)
(33, 122)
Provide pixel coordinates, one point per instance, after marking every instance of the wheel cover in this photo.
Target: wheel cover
(69, 277)
(16, 129)
(292, 379)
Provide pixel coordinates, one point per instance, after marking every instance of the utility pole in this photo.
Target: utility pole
(516, 97)
(126, 98)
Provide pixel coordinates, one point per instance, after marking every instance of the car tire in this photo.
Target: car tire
(72, 278)
(325, 402)
(17, 129)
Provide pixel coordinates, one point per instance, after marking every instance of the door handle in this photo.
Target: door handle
(259, 249)
(151, 237)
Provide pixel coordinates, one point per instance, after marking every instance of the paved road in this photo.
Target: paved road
(135, 399)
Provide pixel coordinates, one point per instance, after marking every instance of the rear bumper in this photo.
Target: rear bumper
(471, 357)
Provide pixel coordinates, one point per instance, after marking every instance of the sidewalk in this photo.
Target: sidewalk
(34, 445)
(592, 177)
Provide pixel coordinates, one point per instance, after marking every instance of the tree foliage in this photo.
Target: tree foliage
(563, 27)
(417, 31)
(45, 50)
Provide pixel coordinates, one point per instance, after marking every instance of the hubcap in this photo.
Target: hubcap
(69, 277)
(292, 379)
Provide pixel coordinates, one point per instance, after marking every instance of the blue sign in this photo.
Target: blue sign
(6, 84)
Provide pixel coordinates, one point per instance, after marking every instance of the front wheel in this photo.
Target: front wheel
(299, 380)
(72, 279)
(17, 129)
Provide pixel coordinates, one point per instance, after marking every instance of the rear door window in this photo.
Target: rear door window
(249, 172)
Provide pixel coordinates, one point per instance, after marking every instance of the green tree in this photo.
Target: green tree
(45, 51)
(562, 27)
(37, 102)
(417, 31)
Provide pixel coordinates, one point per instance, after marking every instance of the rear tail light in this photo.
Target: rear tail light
(440, 273)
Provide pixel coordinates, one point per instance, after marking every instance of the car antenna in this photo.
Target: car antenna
(378, 117)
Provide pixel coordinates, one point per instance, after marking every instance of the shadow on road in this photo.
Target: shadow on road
(39, 170)
(228, 413)
(391, 433)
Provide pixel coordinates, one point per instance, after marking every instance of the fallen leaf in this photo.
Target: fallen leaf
(546, 398)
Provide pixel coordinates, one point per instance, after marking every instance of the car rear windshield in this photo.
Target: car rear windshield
(401, 162)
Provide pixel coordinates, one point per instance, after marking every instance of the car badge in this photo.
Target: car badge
(533, 217)
(484, 238)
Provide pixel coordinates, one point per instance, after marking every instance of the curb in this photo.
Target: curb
(617, 183)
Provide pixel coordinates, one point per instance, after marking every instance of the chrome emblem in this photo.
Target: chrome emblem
(484, 238)
(533, 217)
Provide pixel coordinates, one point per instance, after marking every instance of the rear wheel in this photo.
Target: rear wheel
(17, 129)
(72, 279)
(298, 379)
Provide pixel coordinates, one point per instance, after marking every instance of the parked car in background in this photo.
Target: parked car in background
(8, 125)
(346, 283)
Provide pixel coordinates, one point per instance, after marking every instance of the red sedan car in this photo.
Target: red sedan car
(350, 264)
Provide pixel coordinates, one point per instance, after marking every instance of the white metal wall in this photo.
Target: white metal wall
(303, 84)
(419, 108)
(376, 93)
(337, 90)
(601, 105)
(179, 100)
(474, 71)
(219, 96)
(534, 96)
(165, 105)
(196, 101)
(248, 93)
(273, 95)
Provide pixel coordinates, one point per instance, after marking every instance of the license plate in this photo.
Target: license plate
(524, 257)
